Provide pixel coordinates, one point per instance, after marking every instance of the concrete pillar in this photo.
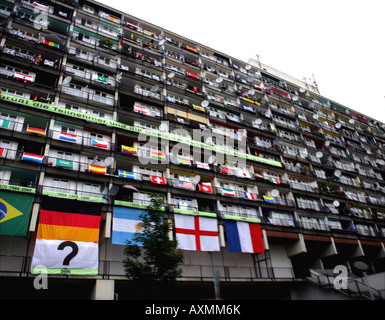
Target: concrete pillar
(296, 247)
(103, 290)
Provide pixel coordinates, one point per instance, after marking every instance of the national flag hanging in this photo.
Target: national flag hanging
(22, 76)
(202, 165)
(186, 162)
(249, 195)
(243, 173)
(274, 180)
(3, 152)
(51, 44)
(268, 199)
(32, 157)
(140, 109)
(205, 188)
(125, 223)
(68, 164)
(67, 238)
(15, 212)
(38, 131)
(228, 192)
(158, 180)
(192, 75)
(196, 233)
(158, 155)
(185, 185)
(99, 144)
(68, 137)
(244, 237)
(126, 174)
(40, 6)
(4, 123)
(199, 108)
(97, 169)
(226, 170)
(129, 150)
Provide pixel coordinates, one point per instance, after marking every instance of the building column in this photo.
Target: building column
(103, 290)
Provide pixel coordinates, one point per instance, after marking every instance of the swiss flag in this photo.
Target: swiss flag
(158, 180)
(204, 188)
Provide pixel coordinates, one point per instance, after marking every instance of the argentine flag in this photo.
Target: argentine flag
(125, 224)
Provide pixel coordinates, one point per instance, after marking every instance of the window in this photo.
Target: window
(60, 185)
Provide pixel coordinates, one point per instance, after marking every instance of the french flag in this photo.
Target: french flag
(249, 195)
(244, 237)
(32, 157)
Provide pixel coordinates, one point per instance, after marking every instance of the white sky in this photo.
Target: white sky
(340, 42)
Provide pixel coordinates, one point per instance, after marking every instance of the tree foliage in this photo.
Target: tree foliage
(152, 267)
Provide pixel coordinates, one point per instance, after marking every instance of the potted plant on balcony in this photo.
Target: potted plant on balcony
(105, 43)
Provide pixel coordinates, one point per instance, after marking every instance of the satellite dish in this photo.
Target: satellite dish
(163, 127)
(295, 98)
(108, 161)
(211, 159)
(337, 173)
(250, 78)
(338, 125)
(205, 103)
(219, 80)
(351, 121)
(302, 90)
(171, 75)
(258, 121)
(196, 179)
(155, 88)
(319, 154)
(275, 193)
(251, 91)
(127, 186)
(357, 165)
(162, 42)
(315, 116)
(336, 203)
(114, 191)
(248, 67)
(327, 143)
(67, 80)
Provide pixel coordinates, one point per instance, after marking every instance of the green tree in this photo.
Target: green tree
(153, 267)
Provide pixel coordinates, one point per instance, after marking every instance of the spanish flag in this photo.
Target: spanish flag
(67, 237)
(15, 212)
(97, 169)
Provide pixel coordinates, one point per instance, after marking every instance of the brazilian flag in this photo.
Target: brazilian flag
(15, 212)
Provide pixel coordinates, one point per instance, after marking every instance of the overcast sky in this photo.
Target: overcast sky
(340, 42)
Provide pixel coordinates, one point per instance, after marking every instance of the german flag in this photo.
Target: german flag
(67, 237)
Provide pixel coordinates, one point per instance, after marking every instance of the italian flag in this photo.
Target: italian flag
(228, 192)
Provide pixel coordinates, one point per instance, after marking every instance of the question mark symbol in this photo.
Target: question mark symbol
(75, 250)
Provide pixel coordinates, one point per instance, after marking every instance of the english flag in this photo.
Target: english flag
(196, 233)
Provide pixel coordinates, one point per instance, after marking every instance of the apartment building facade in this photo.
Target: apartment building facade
(101, 108)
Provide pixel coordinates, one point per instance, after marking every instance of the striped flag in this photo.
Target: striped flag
(249, 195)
(226, 170)
(125, 223)
(185, 162)
(51, 44)
(68, 137)
(39, 131)
(228, 192)
(32, 157)
(268, 199)
(158, 155)
(185, 185)
(129, 150)
(244, 237)
(274, 180)
(202, 165)
(126, 174)
(22, 76)
(67, 237)
(97, 169)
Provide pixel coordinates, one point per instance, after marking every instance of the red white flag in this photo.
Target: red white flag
(226, 170)
(204, 188)
(22, 76)
(158, 180)
(196, 233)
